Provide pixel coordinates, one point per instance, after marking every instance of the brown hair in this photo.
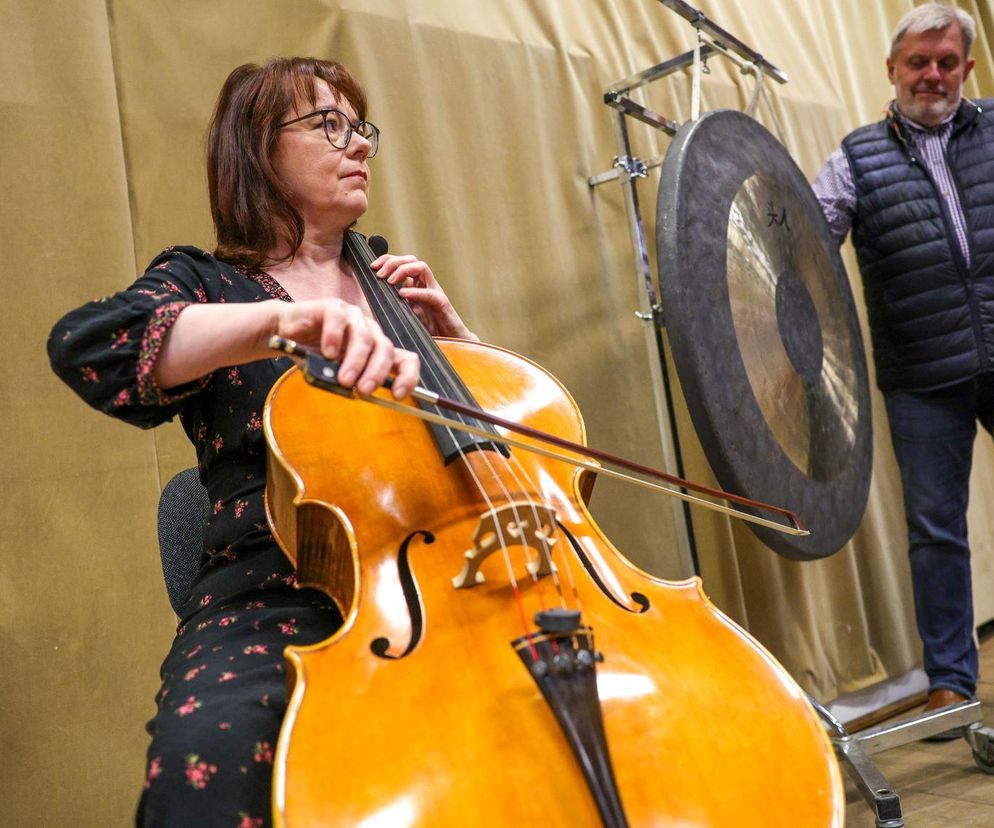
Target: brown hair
(251, 207)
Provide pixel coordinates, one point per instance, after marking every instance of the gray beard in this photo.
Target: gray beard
(928, 114)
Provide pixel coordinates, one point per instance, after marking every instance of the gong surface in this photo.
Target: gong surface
(763, 330)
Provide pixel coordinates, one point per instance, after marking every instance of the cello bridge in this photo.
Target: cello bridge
(526, 524)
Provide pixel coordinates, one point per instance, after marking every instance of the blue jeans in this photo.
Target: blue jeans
(933, 434)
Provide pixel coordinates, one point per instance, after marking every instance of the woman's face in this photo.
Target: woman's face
(329, 186)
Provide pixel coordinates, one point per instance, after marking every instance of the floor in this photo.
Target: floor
(939, 784)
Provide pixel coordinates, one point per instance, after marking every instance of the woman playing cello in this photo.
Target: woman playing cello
(288, 172)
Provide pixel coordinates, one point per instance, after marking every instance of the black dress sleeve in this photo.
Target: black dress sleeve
(106, 350)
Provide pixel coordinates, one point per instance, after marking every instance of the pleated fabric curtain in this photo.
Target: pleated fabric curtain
(492, 121)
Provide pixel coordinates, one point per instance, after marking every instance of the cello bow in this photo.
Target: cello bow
(323, 373)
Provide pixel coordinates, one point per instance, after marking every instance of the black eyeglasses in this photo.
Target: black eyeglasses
(338, 129)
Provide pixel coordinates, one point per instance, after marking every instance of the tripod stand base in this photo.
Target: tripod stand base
(981, 741)
(871, 783)
(854, 751)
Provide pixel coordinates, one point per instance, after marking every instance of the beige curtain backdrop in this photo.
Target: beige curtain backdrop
(492, 122)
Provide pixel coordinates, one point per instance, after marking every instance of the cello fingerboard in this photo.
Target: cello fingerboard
(405, 330)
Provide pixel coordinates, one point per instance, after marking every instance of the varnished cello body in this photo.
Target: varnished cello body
(420, 712)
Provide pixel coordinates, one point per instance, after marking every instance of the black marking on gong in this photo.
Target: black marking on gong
(800, 330)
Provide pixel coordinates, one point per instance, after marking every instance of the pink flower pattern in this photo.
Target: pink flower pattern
(192, 703)
(120, 338)
(198, 772)
(217, 555)
(159, 323)
(154, 770)
(263, 752)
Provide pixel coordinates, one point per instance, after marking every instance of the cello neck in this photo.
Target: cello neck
(405, 330)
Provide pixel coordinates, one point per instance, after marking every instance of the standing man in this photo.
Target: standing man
(917, 191)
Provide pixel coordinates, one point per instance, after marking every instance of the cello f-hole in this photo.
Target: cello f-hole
(412, 596)
(641, 601)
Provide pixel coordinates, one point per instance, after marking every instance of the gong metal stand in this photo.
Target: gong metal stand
(627, 168)
(852, 750)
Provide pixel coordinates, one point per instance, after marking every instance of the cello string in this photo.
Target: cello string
(428, 346)
(418, 331)
(389, 319)
(548, 549)
(432, 370)
(392, 308)
(545, 549)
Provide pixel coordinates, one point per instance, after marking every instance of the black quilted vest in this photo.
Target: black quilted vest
(931, 316)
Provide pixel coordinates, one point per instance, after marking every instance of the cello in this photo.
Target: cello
(500, 662)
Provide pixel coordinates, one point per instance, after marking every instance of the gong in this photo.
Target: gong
(763, 330)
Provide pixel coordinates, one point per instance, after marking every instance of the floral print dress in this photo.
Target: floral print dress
(223, 689)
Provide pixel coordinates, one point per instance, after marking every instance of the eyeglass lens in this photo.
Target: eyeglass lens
(339, 131)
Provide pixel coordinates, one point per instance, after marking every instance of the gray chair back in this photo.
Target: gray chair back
(183, 511)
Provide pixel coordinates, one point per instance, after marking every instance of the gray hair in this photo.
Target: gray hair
(934, 17)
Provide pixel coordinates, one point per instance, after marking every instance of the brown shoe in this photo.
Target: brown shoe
(937, 699)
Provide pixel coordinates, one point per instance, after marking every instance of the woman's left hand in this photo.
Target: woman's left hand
(417, 285)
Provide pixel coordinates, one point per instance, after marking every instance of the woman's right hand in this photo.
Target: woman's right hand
(341, 331)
